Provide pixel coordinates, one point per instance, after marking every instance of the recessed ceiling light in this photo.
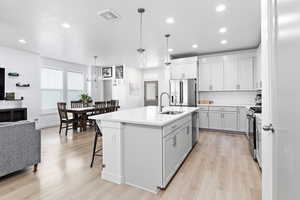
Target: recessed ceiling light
(66, 25)
(224, 42)
(170, 50)
(22, 41)
(223, 30)
(195, 46)
(220, 8)
(170, 20)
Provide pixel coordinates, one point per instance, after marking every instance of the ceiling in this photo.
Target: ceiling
(115, 42)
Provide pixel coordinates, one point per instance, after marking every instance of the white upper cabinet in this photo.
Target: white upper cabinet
(185, 68)
(216, 76)
(257, 71)
(211, 75)
(228, 72)
(204, 78)
(245, 74)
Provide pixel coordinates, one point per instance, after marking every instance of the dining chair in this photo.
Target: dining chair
(64, 118)
(77, 104)
(88, 104)
(109, 106)
(117, 105)
(100, 107)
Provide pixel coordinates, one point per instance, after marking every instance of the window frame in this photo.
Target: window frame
(64, 89)
(51, 110)
(67, 85)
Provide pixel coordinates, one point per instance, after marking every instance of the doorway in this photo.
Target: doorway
(151, 93)
(107, 90)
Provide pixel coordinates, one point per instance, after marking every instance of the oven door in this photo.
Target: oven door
(251, 135)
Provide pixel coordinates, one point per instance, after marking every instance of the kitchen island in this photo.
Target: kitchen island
(144, 147)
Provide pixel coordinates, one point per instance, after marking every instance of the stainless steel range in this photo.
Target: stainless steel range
(251, 133)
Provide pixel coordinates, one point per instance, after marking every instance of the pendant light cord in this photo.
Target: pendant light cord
(141, 30)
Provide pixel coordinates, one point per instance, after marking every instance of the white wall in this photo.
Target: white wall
(120, 88)
(123, 92)
(28, 66)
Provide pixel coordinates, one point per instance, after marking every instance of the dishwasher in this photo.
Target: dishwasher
(195, 127)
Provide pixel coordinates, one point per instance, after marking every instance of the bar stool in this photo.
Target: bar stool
(98, 134)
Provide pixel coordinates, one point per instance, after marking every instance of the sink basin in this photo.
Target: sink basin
(171, 112)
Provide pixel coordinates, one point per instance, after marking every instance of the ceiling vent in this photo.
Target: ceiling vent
(108, 15)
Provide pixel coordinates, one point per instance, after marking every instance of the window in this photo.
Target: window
(75, 85)
(51, 88)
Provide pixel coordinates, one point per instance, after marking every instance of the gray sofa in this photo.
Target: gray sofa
(20, 146)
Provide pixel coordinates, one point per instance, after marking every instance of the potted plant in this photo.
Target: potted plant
(86, 99)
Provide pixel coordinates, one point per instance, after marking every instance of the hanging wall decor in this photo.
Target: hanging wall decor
(119, 72)
(107, 72)
(22, 84)
(13, 74)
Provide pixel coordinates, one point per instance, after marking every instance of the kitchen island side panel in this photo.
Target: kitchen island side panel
(143, 156)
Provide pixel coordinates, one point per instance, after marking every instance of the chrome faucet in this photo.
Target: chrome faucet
(160, 100)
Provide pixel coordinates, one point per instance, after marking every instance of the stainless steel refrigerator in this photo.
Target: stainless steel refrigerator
(183, 92)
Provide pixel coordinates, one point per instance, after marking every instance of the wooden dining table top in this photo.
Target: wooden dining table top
(81, 110)
(85, 109)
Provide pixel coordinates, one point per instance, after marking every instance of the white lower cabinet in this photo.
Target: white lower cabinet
(203, 115)
(223, 118)
(170, 155)
(242, 119)
(176, 146)
(229, 121)
(215, 120)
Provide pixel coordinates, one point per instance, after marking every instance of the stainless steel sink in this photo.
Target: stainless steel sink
(171, 112)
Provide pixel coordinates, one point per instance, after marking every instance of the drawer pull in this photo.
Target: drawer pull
(174, 141)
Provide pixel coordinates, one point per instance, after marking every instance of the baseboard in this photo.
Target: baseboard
(224, 131)
(155, 191)
(112, 177)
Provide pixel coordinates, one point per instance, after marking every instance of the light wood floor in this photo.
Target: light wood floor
(218, 168)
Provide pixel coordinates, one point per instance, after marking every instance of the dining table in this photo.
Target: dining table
(80, 116)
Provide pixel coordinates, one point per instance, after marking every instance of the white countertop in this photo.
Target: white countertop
(227, 105)
(149, 115)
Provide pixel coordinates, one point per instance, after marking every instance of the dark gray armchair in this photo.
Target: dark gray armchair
(20, 146)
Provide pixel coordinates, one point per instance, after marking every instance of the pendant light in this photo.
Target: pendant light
(167, 60)
(95, 57)
(141, 50)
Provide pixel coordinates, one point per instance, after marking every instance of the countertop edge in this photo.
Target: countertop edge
(176, 117)
(225, 105)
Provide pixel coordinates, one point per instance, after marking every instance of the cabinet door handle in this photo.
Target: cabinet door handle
(174, 126)
(207, 115)
(188, 130)
(174, 141)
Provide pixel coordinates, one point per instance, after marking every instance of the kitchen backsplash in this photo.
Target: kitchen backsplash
(229, 97)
